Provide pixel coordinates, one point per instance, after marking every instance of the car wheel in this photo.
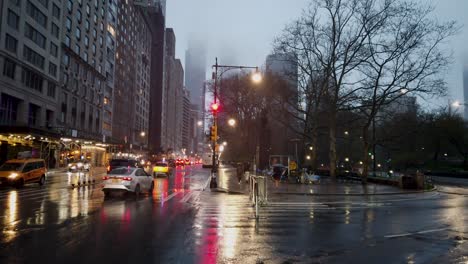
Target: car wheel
(19, 183)
(150, 191)
(137, 190)
(42, 180)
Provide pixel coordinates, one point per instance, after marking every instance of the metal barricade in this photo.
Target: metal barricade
(258, 191)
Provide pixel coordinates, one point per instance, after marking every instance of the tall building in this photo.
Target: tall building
(195, 76)
(30, 53)
(132, 78)
(172, 97)
(186, 113)
(465, 88)
(155, 14)
(83, 68)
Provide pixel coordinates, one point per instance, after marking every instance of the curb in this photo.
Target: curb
(355, 194)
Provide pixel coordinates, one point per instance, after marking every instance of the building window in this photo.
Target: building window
(34, 35)
(31, 80)
(101, 26)
(85, 57)
(53, 49)
(13, 19)
(56, 11)
(101, 41)
(11, 43)
(9, 68)
(87, 25)
(33, 115)
(51, 89)
(15, 2)
(67, 41)
(52, 69)
(86, 41)
(78, 16)
(95, 19)
(88, 9)
(70, 6)
(68, 24)
(33, 57)
(78, 33)
(77, 49)
(66, 60)
(94, 49)
(94, 33)
(8, 109)
(45, 3)
(55, 30)
(36, 14)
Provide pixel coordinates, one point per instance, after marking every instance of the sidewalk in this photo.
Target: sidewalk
(229, 183)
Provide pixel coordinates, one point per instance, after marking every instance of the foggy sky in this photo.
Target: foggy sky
(242, 31)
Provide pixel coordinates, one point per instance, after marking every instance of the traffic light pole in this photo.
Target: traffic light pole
(214, 169)
(214, 139)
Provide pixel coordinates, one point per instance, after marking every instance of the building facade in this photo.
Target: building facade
(465, 89)
(195, 76)
(132, 79)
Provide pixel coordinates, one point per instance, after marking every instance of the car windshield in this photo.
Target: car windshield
(122, 171)
(11, 166)
(161, 164)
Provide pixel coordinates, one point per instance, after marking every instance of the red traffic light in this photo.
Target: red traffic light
(215, 107)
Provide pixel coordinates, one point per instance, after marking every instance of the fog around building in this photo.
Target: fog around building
(242, 31)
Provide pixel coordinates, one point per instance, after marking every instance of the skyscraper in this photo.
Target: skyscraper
(195, 76)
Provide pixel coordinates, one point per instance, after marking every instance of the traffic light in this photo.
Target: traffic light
(215, 108)
(213, 133)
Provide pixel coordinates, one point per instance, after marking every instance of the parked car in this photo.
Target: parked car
(129, 180)
(18, 172)
(180, 162)
(116, 163)
(161, 168)
(80, 165)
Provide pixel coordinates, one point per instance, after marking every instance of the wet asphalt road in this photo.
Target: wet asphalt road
(182, 222)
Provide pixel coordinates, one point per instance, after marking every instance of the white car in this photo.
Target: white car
(128, 179)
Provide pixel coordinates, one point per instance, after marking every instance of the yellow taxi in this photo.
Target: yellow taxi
(18, 172)
(161, 168)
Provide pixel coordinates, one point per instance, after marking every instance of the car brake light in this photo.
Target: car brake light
(105, 178)
(127, 178)
(108, 168)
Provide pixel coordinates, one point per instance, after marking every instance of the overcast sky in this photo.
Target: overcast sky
(241, 31)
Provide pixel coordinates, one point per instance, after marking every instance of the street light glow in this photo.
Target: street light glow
(199, 123)
(142, 133)
(346, 159)
(311, 148)
(456, 104)
(256, 77)
(224, 143)
(346, 133)
(232, 122)
(221, 148)
(308, 157)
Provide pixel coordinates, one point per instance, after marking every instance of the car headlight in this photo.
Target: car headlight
(80, 165)
(69, 165)
(13, 176)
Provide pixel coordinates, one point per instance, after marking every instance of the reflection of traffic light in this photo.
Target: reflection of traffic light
(213, 131)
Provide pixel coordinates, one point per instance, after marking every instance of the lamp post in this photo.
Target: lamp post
(215, 108)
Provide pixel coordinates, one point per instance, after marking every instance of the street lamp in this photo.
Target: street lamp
(142, 134)
(232, 122)
(215, 108)
(224, 143)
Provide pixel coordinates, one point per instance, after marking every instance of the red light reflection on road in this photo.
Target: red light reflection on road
(209, 243)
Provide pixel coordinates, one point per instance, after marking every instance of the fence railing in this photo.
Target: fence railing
(258, 192)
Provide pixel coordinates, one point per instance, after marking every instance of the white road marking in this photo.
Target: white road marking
(417, 233)
(169, 197)
(186, 197)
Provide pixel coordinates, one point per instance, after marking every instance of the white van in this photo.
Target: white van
(207, 160)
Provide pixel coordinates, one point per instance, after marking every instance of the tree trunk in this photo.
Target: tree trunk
(365, 161)
(313, 155)
(332, 152)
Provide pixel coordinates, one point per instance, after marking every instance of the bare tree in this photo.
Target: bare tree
(405, 56)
